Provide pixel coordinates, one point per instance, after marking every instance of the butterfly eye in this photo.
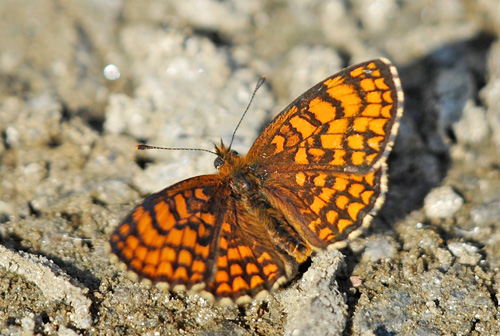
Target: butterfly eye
(218, 162)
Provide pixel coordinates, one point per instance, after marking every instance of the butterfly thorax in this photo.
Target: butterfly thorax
(236, 173)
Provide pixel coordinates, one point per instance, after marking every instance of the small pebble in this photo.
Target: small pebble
(442, 202)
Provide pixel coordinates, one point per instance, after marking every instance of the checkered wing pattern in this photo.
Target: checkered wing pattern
(346, 123)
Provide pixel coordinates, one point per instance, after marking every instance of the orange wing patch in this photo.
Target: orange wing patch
(312, 180)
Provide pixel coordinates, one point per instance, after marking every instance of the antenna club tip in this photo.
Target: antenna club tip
(261, 81)
(139, 147)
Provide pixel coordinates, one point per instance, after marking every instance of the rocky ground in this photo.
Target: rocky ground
(82, 82)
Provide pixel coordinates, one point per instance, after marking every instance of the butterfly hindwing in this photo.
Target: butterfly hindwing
(248, 263)
(326, 207)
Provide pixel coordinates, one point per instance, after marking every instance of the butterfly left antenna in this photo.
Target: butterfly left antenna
(257, 86)
(146, 147)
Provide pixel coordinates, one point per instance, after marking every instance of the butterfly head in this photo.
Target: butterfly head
(225, 156)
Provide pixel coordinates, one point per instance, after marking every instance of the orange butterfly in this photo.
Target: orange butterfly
(312, 179)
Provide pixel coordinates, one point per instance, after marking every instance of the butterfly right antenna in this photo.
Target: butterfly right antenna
(257, 86)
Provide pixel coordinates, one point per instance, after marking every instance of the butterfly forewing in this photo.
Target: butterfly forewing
(169, 237)
(345, 123)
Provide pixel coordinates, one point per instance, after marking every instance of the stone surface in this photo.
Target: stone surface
(442, 202)
(314, 306)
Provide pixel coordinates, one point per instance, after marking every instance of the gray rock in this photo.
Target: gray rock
(442, 202)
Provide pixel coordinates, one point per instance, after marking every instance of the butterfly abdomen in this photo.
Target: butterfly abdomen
(274, 223)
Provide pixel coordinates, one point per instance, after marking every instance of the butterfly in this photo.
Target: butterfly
(312, 180)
